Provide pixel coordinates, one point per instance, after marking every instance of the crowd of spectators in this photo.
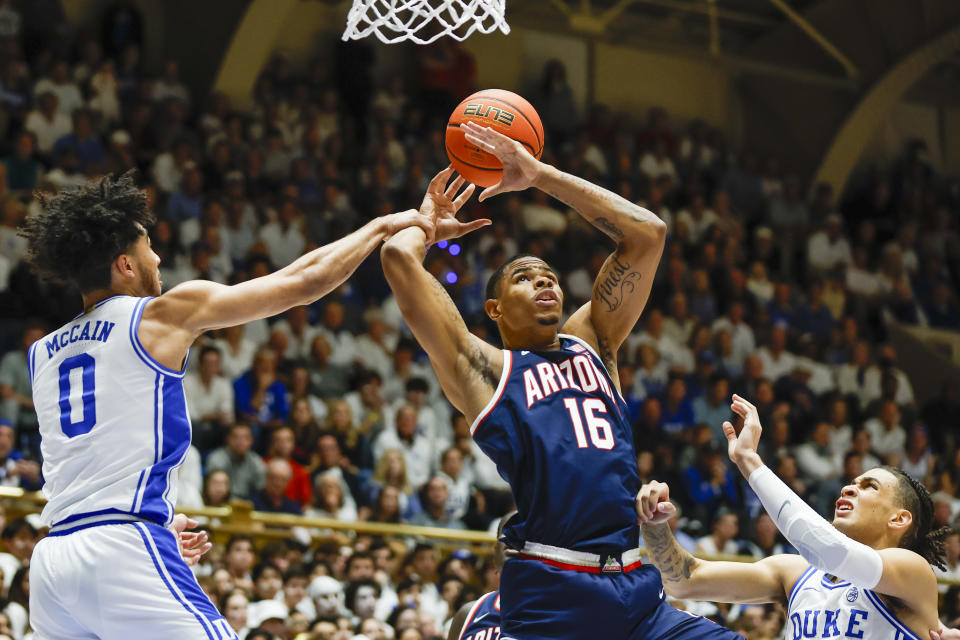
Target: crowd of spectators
(332, 409)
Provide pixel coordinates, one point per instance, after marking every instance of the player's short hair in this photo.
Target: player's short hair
(493, 284)
(921, 537)
(82, 230)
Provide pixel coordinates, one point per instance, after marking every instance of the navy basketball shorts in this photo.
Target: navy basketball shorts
(541, 601)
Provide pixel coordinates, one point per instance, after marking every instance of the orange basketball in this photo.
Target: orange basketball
(503, 111)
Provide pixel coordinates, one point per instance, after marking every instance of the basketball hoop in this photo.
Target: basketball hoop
(424, 21)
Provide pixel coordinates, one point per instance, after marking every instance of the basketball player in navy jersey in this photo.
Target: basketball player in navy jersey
(114, 427)
(865, 575)
(547, 408)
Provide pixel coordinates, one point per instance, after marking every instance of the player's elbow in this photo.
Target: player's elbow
(395, 257)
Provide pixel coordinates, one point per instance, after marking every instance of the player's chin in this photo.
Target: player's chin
(549, 320)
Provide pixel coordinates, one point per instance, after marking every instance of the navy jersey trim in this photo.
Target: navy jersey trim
(795, 589)
(473, 612)
(888, 615)
(583, 343)
(504, 376)
(142, 352)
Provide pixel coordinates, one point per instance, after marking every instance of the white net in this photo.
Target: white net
(424, 21)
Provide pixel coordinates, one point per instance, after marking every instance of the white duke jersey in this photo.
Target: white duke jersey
(820, 608)
(113, 421)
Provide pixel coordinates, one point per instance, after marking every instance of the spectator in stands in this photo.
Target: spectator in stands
(886, 432)
(415, 447)
(210, 399)
(236, 352)
(282, 445)
(16, 395)
(14, 470)
(828, 248)
(83, 142)
(710, 484)
(814, 457)
(434, 496)
(813, 316)
(332, 500)
(244, 466)
(790, 219)
(697, 218)
(234, 608)
(22, 166)
(19, 537)
(216, 489)
(713, 408)
(776, 360)
(767, 539)
(951, 545)
(678, 414)
(391, 471)
(327, 378)
(722, 539)
(260, 395)
(918, 458)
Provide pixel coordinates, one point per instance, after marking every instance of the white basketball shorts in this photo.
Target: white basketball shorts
(118, 581)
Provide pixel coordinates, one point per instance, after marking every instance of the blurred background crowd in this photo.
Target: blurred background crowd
(769, 287)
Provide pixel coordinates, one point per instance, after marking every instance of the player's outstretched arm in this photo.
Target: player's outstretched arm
(623, 285)
(467, 367)
(687, 577)
(894, 572)
(172, 321)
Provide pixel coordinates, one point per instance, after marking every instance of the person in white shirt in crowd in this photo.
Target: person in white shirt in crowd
(209, 399)
(190, 479)
(697, 218)
(726, 526)
(284, 237)
(886, 432)
(744, 341)
(673, 353)
(48, 122)
(861, 280)
(168, 167)
(404, 367)
(432, 418)
(777, 361)
(758, 282)
(367, 404)
(879, 385)
(540, 217)
(61, 85)
(340, 337)
(295, 325)
(814, 458)
(918, 459)
(241, 226)
(236, 352)
(855, 377)
(169, 85)
(828, 248)
(332, 499)
(416, 448)
(458, 478)
(656, 164)
(477, 465)
(374, 347)
(862, 444)
(821, 378)
(679, 325)
(841, 432)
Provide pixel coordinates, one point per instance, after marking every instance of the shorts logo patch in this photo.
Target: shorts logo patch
(612, 566)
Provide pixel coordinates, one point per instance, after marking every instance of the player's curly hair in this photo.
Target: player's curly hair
(921, 538)
(82, 230)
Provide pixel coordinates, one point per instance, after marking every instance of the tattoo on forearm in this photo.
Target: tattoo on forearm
(616, 283)
(608, 228)
(674, 562)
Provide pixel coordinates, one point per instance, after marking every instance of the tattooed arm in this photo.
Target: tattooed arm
(467, 367)
(623, 285)
(686, 577)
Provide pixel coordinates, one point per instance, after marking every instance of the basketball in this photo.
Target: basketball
(503, 111)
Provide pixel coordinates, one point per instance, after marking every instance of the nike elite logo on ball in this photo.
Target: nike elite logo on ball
(486, 111)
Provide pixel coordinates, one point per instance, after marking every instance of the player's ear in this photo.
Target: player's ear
(901, 520)
(492, 307)
(123, 266)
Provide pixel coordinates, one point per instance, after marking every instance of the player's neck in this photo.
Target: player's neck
(530, 340)
(93, 297)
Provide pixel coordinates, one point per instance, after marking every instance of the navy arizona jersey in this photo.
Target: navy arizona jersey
(483, 621)
(559, 433)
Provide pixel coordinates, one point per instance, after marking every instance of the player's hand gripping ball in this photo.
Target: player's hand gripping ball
(502, 111)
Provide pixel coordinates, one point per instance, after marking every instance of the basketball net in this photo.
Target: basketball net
(424, 21)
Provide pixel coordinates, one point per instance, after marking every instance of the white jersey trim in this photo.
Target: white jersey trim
(583, 343)
(142, 352)
(504, 375)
